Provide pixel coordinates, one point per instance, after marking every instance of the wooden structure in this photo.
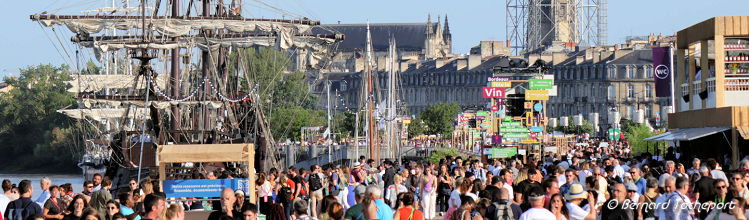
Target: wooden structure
(207, 153)
(717, 95)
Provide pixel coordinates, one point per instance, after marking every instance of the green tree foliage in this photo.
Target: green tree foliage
(416, 128)
(440, 153)
(34, 137)
(284, 96)
(439, 119)
(634, 133)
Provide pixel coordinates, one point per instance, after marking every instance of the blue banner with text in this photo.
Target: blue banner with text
(203, 187)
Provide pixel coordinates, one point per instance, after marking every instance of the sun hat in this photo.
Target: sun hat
(576, 192)
(631, 187)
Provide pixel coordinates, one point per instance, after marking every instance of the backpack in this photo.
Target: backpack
(502, 211)
(284, 195)
(315, 182)
(18, 213)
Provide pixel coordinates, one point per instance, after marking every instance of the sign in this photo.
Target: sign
(540, 84)
(497, 139)
(536, 129)
(487, 151)
(203, 187)
(480, 118)
(529, 141)
(662, 71)
(614, 133)
(512, 124)
(463, 118)
(516, 135)
(504, 152)
(500, 84)
(498, 79)
(536, 95)
(513, 130)
(494, 93)
(538, 107)
(495, 108)
(528, 105)
(508, 118)
(551, 149)
(521, 151)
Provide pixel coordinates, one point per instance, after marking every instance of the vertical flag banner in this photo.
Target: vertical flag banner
(662, 71)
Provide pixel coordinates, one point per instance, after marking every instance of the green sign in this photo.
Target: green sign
(516, 135)
(513, 130)
(483, 113)
(535, 84)
(508, 118)
(614, 133)
(514, 124)
(504, 152)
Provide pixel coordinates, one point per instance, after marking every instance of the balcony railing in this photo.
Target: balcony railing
(737, 84)
(684, 89)
(696, 87)
(711, 84)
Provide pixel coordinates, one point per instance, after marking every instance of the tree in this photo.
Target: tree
(441, 153)
(440, 119)
(634, 133)
(287, 123)
(34, 136)
(416, 128)
(587, 127)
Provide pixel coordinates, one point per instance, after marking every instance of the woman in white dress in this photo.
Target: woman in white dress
(429, 193)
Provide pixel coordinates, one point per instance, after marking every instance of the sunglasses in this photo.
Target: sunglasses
(89, 186)
(721, 187)
(112, 208)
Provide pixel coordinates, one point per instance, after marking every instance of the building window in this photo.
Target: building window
(648, 112)
(612, 72)
(593, 91)
(612, 92)
(631, 112)
(648, 91)
(648, 72)
(630, 72)
(630, 91)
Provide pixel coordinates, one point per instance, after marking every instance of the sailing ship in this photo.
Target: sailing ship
(173, 76)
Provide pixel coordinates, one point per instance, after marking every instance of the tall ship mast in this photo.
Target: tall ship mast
(179, 76)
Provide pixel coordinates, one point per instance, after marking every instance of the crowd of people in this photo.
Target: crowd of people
(586, 182)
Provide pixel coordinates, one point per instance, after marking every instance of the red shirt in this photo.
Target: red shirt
(405, 213)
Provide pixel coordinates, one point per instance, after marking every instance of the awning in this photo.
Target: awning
(687, 134)
(744, 131)
(205, 153)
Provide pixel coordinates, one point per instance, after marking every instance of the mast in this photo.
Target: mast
(391, 116)
(204, 56)
(176, 78)
(371, 132)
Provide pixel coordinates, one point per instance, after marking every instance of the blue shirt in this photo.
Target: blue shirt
(642, 185)
(384, 212)
(128, 211)
(42, 198)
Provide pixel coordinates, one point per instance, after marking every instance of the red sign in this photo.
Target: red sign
(494, 92)
(463, 118)
(495, 108)
(534, 136)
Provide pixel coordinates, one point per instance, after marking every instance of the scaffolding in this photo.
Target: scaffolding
(538, 24)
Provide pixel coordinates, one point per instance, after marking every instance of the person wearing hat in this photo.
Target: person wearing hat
(575, 196)
(537, 210)
(240, 199)
(632, 194)
(356, 211)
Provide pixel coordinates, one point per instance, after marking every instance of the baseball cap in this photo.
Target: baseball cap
(360, 190)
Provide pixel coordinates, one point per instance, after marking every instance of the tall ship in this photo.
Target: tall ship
(173, 72)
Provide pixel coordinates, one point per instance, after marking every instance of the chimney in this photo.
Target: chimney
(597, 57)
(462, 63)
(589, 53)
(580, 59)
(403, 66)
(558, 57)
(474, 60)
(438, 63)
(486, 49)
(620, 53)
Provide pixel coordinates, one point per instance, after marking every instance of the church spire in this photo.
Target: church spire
(446, 29)
(429, 24)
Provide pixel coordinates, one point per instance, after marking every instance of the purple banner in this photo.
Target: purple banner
(662, 71)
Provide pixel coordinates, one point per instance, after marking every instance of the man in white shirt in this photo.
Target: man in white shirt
(4, 200)
(506, 175)
(695, 167)
(44, 183)
(679, 203)
(537, 210)
(668, 183)
(715, 171)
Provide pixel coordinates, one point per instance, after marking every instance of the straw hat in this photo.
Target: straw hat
(576, 192)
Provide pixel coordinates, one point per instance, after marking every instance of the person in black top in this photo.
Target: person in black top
(491, 192)
(522, 188)
(704, 188)
(615, 208)
(227, 207)
(25, 202)
(53, 207)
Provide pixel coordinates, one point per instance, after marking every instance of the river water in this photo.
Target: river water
(57, 179)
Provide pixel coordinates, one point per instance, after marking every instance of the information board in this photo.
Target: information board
(504, 152)
(203, 187)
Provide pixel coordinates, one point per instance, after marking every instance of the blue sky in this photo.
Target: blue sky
(24, 43)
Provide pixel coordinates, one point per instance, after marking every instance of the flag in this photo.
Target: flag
(662, 70)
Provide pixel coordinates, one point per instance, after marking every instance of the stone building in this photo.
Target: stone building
(600, 80)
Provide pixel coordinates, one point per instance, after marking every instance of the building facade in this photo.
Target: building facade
(604, 80)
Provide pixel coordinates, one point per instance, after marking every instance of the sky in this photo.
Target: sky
(24, 43)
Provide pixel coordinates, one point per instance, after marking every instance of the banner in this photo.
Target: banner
(494, 92)
(662, 71)
(536, 95)
(504, 152)
(203, 187)
(537, 84)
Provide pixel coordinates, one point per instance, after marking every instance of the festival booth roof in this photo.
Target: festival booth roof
(687, 134)
(205, 153)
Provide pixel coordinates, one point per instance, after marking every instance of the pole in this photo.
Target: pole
(673, 97)
(143, 134)
(176, 78)
(330, 132)
(356, 135)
